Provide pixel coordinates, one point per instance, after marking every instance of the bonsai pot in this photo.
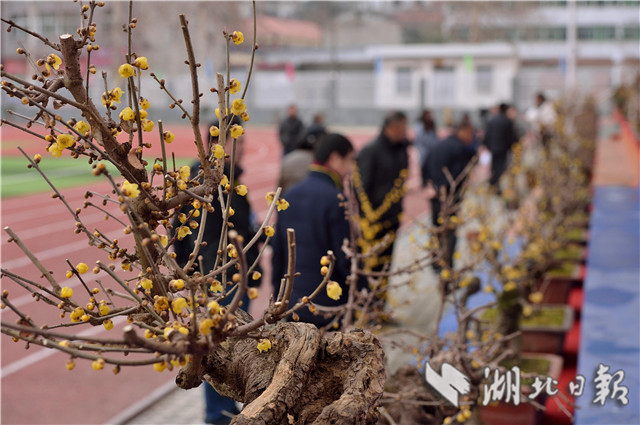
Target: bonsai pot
(544, 330)
(502, 413)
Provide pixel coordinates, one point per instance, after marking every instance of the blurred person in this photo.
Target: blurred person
(320, 224)
(426, 136)
(499, 138)
(291, 130)
(541, 118)
(453, 153)
(295, 164)
(317, 126)
(243, 222)
(379, 182)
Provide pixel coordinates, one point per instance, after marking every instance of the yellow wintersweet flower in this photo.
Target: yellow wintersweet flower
(103, 309)
(536, 297)
(218, 112)
(237, 37)
(224, 181)
(214, 131)
(98, 364)
(269, 197)
(510, 286)
(54, 60)
(234, 86)
(445, 274)
(527, 310)
(141, 62)
(144, 103)
(184, 172)
(82, 127)
(334, 290)
(241, 190)
(282, 204)
(252, 293)
(108, 324)
(127, 114)
(70, 364)
(216, 286)
(238, 107)
(65, 141)
(55, 150)
(244, 116)
(66, 292)
(236, 131)
(161, 304)
(465, 282)
(489, 289)
(264, 345)
(126, 70)
(177, 284)
(205, 326)
(218, 151)
(143, 114)
(256, 275)
(130, 189)
(147, 125)
(178, 305)
(183, 231)
(116, 93)
(146, 283)
(269, 231)
(82, 268)
(160, 366)
(164, 240)
(168, 137)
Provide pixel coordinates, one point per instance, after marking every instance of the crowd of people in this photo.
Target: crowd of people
(315, 166)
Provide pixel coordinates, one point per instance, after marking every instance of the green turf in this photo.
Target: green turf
(63, 172)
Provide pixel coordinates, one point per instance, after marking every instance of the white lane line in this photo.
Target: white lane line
(54, 252)
(47, 228)
(71, 283)
(44, 353)
(143, 404)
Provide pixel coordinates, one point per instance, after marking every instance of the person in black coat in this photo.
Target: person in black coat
(453, 153)
(320, 225)
(291, 130)
(379, 182)
(499, 138)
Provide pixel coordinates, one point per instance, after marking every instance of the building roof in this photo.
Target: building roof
(277, 32)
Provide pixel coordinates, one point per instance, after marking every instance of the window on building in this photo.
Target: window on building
(403, 80)
(461, 34)
(631, 33)
(597, 33)
(484, 79)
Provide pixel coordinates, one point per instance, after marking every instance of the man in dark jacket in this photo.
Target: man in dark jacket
(291, 130)
(454, 154)
(499, 138)
(320, 225)
(242, 219)
(379, 182)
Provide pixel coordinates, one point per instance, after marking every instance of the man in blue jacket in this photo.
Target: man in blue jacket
(320, 224)
(499, 138)
(454, 154)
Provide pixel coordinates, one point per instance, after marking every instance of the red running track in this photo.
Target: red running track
(36, 387)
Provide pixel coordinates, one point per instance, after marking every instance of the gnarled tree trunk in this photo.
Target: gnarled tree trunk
(306, 378)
